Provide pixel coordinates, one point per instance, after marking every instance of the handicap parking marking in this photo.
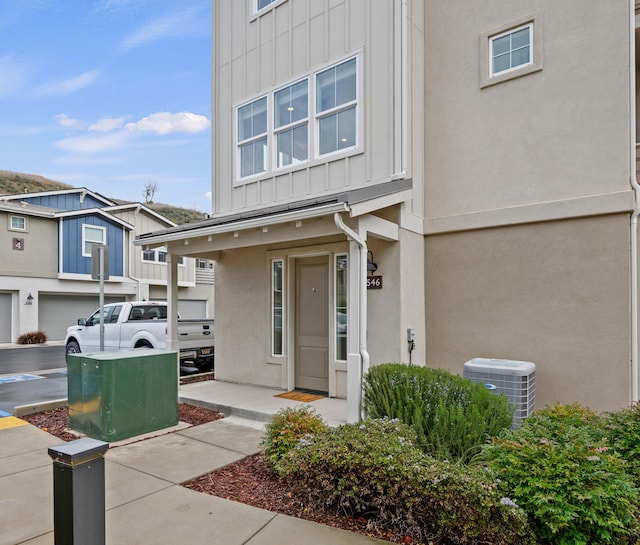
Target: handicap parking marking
(2, 414)
(8, 379)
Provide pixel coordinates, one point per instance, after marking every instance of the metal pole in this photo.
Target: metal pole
(78, 492)
(101, 269)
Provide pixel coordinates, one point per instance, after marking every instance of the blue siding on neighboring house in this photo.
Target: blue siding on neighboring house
(66, 201)
(73, 260)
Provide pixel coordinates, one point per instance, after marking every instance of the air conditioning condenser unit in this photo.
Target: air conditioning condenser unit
(515, 379)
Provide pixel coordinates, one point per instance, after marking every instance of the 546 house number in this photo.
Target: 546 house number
(374, 282)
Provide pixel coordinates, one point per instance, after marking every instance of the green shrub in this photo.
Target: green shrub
(559, 469)
(35, 337)
(451, 415)
(375, 470)
(623, 434)
(288, 427)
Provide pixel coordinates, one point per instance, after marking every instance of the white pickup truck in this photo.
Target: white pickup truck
(142, 324)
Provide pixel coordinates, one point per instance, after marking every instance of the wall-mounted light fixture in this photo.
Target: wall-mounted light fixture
(371, 266)
(30, 299)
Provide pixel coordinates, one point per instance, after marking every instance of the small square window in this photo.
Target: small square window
(148, 255)
(511, 51)
(17, 223)
(92, 234)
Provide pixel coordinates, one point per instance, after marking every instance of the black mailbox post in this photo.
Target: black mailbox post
(78, 492)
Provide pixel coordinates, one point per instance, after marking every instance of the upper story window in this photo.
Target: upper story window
(291, 121)
(252, 137)
(204, 264)
(158, 255)
(259, 7)
(92, 234)
(17, 223)
(511, 51)
(336, 107)
(261, 4)
(277, 131)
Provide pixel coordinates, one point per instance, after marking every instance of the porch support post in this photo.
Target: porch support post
(172, 303)
(354, 357)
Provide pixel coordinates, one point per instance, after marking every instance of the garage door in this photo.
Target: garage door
(192, 309)
(57, 312)
(5, 317)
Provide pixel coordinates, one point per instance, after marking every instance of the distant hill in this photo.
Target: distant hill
(12, 183)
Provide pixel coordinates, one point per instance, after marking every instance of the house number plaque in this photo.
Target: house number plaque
(374, 282)
(18, 244)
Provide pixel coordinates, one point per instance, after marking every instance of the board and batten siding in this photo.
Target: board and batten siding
(255, 56)
(74, 261)
(67, 201)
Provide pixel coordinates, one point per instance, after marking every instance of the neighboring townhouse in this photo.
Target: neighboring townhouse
(465, 170)
(45, 276)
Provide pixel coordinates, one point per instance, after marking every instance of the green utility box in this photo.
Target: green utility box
(117, 395)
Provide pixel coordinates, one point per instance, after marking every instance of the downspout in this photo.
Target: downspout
(402, 90)
(636, 210)
(362, 322)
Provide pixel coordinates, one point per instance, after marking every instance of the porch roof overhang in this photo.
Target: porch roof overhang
(356, 202)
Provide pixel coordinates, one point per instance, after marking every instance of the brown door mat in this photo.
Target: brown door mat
(304, 397)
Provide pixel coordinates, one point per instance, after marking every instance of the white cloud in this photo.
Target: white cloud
(107, 124)
(207, 195)
(13, 74)
(167, 123)
(69, 85)
(93, 144)
(68, 122)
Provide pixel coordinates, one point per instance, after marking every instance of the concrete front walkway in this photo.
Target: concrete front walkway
(144, 502)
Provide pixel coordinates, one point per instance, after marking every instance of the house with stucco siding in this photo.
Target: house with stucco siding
(463, 170)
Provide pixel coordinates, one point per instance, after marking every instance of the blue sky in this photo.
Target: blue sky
(111, 95)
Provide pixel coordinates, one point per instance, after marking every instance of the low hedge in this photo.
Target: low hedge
(560, 468)
(375, 470)
(451, 415)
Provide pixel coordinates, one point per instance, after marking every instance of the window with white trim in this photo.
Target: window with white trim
(261, 4)
(511, 50)
(291, 124)
(158, 255)
(340, 298)
(336, 94)
(252, 137)
(278, 130)
(277, 307)
(92, 234)
(17, 223)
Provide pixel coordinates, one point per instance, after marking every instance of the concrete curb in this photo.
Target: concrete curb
(24, 410)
